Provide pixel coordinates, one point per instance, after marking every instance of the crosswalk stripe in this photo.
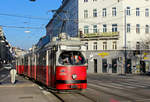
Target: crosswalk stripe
(122, 85)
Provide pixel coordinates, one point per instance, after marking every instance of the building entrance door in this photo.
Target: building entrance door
(142, 67)
(114, 65)
(95, 65)
(129, 70)
(104, 65)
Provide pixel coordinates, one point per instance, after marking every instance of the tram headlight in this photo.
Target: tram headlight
(63, 47)
(74, 76)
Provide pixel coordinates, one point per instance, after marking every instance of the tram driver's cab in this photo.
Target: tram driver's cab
(71, 58)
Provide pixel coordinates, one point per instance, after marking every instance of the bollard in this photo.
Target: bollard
(13, 76)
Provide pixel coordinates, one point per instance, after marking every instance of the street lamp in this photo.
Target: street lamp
(125, 42)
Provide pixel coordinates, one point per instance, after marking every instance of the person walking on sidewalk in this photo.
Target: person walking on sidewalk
(13, 75)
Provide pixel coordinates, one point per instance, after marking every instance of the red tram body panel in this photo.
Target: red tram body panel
(72, 77)
(60, 65)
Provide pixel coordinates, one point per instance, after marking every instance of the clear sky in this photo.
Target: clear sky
(17, 15)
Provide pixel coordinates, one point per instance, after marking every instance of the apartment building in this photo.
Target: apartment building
(109, 28)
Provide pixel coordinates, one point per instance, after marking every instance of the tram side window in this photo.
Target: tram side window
(26, 61)
(42, 59)
(71, 58)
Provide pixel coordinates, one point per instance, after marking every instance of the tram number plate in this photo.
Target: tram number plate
(73, 86)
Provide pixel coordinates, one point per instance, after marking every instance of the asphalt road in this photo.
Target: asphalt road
(101, 88)
(116, 88)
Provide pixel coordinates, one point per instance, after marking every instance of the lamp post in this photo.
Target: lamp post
(2, 50)
(125, 43)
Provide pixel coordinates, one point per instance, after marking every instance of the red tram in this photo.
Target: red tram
(59, 65)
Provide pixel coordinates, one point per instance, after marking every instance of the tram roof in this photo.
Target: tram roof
(72, 42)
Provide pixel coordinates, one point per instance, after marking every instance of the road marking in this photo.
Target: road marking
(4, 78)
(1, 69)
(141, 100)
(40, 88)
(104, 84)
(141, 84)
(45, 92)
(2, 75)
(122, 85)
(132, 85)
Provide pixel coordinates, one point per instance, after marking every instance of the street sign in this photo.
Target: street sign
(103, 54)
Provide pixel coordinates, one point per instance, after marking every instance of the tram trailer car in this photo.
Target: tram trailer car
(60, 65)
(20, 65)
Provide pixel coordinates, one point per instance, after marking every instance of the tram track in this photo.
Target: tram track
(127, 89)
(68, 96)
(74, 97)
(128, 94)
(63, 96)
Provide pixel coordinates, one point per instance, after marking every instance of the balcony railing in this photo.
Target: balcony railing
(104, 34)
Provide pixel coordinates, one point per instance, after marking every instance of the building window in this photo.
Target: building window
(128, 28)
(86, 44)
(95, 29)
(95, 46)
(147, 45)
(114, 46)
(114, 28)
(147, 12)
(137, 45)
(104, 28)
(86, 29)
(137, 28)
(104, 45)
(114, 12)
(95, 13)
(104, 13)
(147, 29)
(85, 0)
(128, 11)
(137, 11)
(85, 13)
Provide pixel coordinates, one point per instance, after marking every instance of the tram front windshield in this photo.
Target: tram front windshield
(71, 58)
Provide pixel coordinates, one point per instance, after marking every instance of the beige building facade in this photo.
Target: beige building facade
(108, 28)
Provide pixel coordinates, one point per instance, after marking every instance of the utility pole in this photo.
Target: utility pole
(125, 42)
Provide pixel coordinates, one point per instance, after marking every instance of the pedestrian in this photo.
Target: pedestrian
(13, 76)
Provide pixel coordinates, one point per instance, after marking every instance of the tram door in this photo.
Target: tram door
(52, 67)
(95, 65)
(114, 65)
(104, 65)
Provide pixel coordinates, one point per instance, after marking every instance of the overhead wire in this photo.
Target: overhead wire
(21, 27)
(21, 16)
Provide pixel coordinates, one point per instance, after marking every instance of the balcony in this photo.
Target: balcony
(103, 35)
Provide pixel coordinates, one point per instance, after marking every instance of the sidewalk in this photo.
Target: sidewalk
(23, 91)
